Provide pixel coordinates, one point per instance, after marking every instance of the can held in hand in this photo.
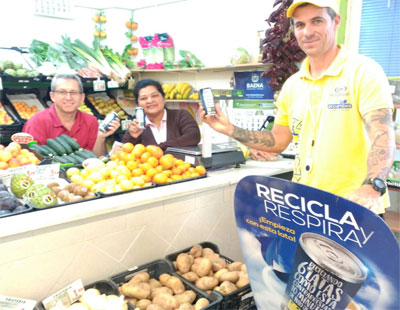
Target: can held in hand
(325, 275)
(105, 124)
(140, 117)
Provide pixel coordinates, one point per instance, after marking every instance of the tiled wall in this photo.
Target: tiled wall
(35, 265)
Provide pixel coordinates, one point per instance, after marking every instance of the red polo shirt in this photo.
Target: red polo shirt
(46, 124)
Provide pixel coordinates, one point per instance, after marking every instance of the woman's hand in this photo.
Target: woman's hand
(134, 129)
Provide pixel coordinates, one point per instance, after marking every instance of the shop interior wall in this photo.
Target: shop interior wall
(209, 29)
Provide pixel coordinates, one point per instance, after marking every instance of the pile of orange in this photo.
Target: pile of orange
(150, 163)
(24, 110)
(13, 155)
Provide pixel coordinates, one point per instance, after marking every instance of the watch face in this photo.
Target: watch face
(379, 183)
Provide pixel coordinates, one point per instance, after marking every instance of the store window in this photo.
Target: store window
(380, 33)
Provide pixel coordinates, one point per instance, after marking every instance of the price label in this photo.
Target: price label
(44, 172)
(13, 303)
(65, 296)
(99, 85)
(125, 124)
(22, 137)
(112, 84)
(392, 89)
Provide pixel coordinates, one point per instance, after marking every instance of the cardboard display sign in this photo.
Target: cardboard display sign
(306, 249)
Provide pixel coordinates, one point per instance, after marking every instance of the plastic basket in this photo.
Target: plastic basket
(6, 131)
(106, 287)
(242, 297)
(158, 267)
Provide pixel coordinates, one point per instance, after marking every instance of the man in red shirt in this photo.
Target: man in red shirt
(63, 117)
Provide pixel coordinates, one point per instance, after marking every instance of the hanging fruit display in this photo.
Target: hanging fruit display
(99, 28)
(132, 26)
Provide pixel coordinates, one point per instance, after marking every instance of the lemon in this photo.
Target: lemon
(71, 171)
(77, 178)
(95, 176)
(88, 183)
(126, 185)
(121, 178)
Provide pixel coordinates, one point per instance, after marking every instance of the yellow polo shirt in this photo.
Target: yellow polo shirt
(325, 117)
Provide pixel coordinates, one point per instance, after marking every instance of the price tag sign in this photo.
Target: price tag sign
(125, 124)
(112, 84)
(44, 172)
(99, 85)
(13, 303)
(392, 89)
(65, 296)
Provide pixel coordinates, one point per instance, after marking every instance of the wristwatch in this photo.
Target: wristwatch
(377, 184)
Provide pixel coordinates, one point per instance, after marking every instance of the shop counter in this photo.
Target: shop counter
(92, 240)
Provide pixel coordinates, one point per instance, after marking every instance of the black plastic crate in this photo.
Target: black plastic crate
(6, 131)
(106, 287)
(242, 297)
(158, 267)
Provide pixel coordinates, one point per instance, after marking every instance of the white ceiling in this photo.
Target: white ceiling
(124, 4)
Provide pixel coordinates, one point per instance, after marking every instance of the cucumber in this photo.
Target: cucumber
(66, 146)
(48, 150)
(36, 148)
(71, 159)
(85, 153)
(56, 146)
(77, 158)
(70, 141)
(60, 159)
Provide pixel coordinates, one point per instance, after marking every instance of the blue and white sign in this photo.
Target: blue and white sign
(253, 85)
(308, 249)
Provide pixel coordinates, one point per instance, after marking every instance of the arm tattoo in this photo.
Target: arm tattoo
(381, 132)
(261, 138)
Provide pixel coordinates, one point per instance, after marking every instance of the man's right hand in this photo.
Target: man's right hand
(134, 129)
(218, 122)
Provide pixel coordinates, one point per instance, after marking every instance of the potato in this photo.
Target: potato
(52, 185)
(218, 263)
(208, 252)
(154, 307)
(186, 297)
(227, 287)
(202, 267)
(70, 187)
(186, 306)
(159, 290)
(168, 302)
(243, 279)
(138, 290)
(81, 190)
(175, 285)
(235, 266)
(143, 304)
(154, 283)
(206, 283)
(190, 276)
(196, 250)
(64, 195)
(163, 278)
(231, 276)
(89, 195)
(219, 273)
(183, 262)
(132, 300)
(139, 277)
(201, 303)
(75, 198)
(56, 189)
(243, 267)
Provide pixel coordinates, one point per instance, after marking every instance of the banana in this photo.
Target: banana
(186, 92)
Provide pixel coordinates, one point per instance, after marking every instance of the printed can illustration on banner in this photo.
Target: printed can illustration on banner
(325, 275)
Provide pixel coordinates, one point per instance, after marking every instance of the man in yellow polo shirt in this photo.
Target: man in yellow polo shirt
(337, 109)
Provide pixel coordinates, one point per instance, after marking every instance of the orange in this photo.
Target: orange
(138, 181)
(159, 168)
(176, 177)
(194, 174)
(178, 162)
(146, 178)
(177, 171)
(120, 178)
(155, 151)
(160, 178)
(113, 157)
(137, 172)
(167, 161)
(168, 173)
(145, 156)
(200, 170)
(131, 165)
(151, 172)
(127, 147)
(146, 166)
(153, 161)
(123, 156)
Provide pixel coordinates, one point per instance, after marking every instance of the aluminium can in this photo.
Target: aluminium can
(140, 117)
(105, 124)
(325, 275)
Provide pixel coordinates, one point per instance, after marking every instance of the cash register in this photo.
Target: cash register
(222, 155)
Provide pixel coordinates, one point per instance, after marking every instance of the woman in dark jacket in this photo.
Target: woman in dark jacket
(164, 127)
